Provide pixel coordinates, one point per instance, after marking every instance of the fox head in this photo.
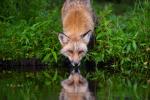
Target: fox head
(75, 88)
(74, 48)
(75, 83)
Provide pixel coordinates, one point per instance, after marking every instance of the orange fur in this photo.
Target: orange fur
(77, 19)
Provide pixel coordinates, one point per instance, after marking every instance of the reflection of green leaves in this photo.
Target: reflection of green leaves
(50, 78)
(48, 82)
(46, 74)
(55, 76)
(135, 90)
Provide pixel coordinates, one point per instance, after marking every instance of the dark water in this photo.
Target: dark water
(23, 65)
(48, 93)
(35, 65)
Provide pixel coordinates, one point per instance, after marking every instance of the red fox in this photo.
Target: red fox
(78, 25)
(75, 88)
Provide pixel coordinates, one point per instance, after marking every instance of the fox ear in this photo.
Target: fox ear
(63, 38)
(86, 36)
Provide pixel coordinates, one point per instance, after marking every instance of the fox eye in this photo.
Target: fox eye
(81, 51)
(70, 51)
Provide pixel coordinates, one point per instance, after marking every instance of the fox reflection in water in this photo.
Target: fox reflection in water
(75, 88)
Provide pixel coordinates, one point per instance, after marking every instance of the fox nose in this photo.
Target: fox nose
(75, 64)
(77, 70)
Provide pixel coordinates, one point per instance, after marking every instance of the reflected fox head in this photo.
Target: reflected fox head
(75, 88)
(74, 48)
(75, 83)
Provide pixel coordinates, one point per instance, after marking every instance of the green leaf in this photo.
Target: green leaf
(134, 45)
(54, 55)
(128, 48)
(46, 58)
